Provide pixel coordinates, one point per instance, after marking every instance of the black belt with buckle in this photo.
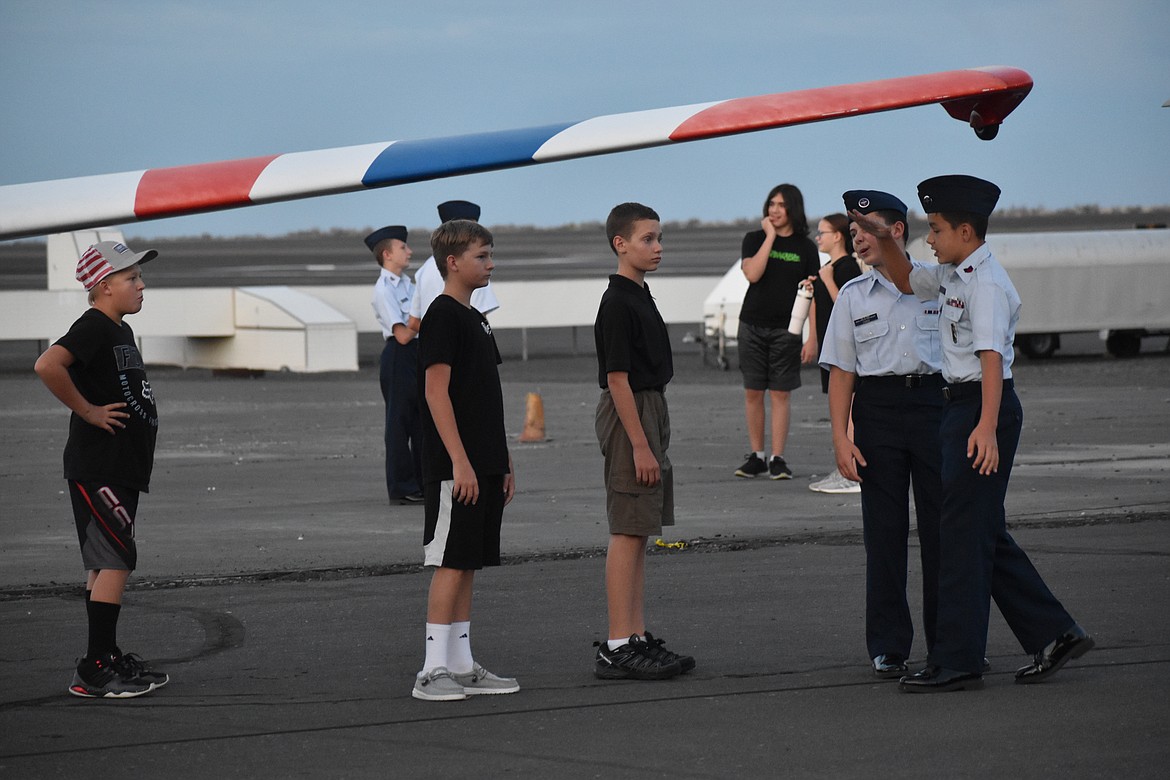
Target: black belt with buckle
(958, 390)
(907, 381)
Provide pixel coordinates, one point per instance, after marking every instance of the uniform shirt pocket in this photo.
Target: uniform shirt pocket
(927, 322)
(871, 330)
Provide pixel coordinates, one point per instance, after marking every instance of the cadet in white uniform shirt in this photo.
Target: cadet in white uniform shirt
(398, 369)
(882, 353)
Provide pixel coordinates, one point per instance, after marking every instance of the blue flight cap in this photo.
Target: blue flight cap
(458, 209)
(961, 193)
(381, 234)
(867, 201)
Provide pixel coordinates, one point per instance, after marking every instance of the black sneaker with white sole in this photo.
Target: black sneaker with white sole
(634, 660)
(98, 678)
(754, 466)
(778, 469)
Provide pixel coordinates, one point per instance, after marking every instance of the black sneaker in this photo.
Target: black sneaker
(778, 469)
(632, 661)
(754, 466)
(97, 678)
(658, 648)
(132, 667)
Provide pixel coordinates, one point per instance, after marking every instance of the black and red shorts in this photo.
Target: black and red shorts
(104, 515)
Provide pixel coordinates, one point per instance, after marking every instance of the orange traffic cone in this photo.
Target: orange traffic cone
(533, 419)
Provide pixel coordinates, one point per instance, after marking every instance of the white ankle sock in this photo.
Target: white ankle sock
(437, 642)
(760, 455)
(614, 644)
(459, 658)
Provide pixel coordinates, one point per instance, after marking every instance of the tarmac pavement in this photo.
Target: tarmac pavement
(285, 598)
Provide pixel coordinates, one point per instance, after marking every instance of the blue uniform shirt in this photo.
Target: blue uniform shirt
(392, 294)
(875, 330)
(979, 309)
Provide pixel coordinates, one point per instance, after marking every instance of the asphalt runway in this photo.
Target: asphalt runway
(285, 598)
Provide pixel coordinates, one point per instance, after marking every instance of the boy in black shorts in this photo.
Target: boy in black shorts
(95, 370)
(633, 428)
(467, 471)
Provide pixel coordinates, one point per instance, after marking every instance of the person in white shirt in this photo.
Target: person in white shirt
(428, 284)
(398, 370)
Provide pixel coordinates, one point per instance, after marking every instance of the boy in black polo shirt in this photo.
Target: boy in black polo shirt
(467, 471)
(633, 428)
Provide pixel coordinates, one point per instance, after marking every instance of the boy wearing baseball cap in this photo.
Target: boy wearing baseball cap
(96, 370)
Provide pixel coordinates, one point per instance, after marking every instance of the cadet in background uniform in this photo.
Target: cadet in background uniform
(398, 367)
(882, 352)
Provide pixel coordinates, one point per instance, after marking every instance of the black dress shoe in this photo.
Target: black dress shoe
(936, 679)
(1071, 644)
(412, 498)
(888, 666)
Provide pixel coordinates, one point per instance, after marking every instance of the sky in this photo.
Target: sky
(121, 85)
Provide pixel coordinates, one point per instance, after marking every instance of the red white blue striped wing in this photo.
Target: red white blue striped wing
(979, 96)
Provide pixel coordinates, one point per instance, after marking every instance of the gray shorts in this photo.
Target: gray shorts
(769, 358)
(634, 509)
(104, 516)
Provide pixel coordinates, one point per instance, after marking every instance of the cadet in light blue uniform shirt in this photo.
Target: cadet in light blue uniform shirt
(980, 288)
(978, 559)
(398, 365)
(883, 356)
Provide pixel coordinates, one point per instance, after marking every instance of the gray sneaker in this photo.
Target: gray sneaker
(437, 685)
(835, 483)
(480, 681)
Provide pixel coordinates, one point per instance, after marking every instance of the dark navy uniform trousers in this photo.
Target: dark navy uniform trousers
(398, 376)
(979, 560)
(896, 427)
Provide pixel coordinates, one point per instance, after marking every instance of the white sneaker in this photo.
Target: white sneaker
(835, 483)
(437, 685)
(480, 681)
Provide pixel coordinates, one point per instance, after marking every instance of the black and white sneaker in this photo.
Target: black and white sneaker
(132, 667)
(658, 648)
(634, 660)
(778, 469)
(97, 678)
(754, 466)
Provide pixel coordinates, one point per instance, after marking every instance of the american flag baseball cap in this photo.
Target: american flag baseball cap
(107, 257)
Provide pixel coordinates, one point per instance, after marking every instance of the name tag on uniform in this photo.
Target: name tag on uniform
(863, 320)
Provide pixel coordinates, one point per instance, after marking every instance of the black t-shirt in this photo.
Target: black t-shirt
(631, 336)
(768, 302)
(844, 269)
(460, 337)
(107, 368)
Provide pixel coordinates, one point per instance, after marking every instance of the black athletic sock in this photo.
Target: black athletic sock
(103, 628)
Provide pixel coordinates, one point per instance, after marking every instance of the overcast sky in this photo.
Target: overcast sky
(90, 88)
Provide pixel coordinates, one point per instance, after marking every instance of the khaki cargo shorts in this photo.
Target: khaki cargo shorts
(634, 509)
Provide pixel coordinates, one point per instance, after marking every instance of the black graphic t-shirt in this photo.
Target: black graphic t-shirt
(768, 302)
(108, 369)
(461, 337)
